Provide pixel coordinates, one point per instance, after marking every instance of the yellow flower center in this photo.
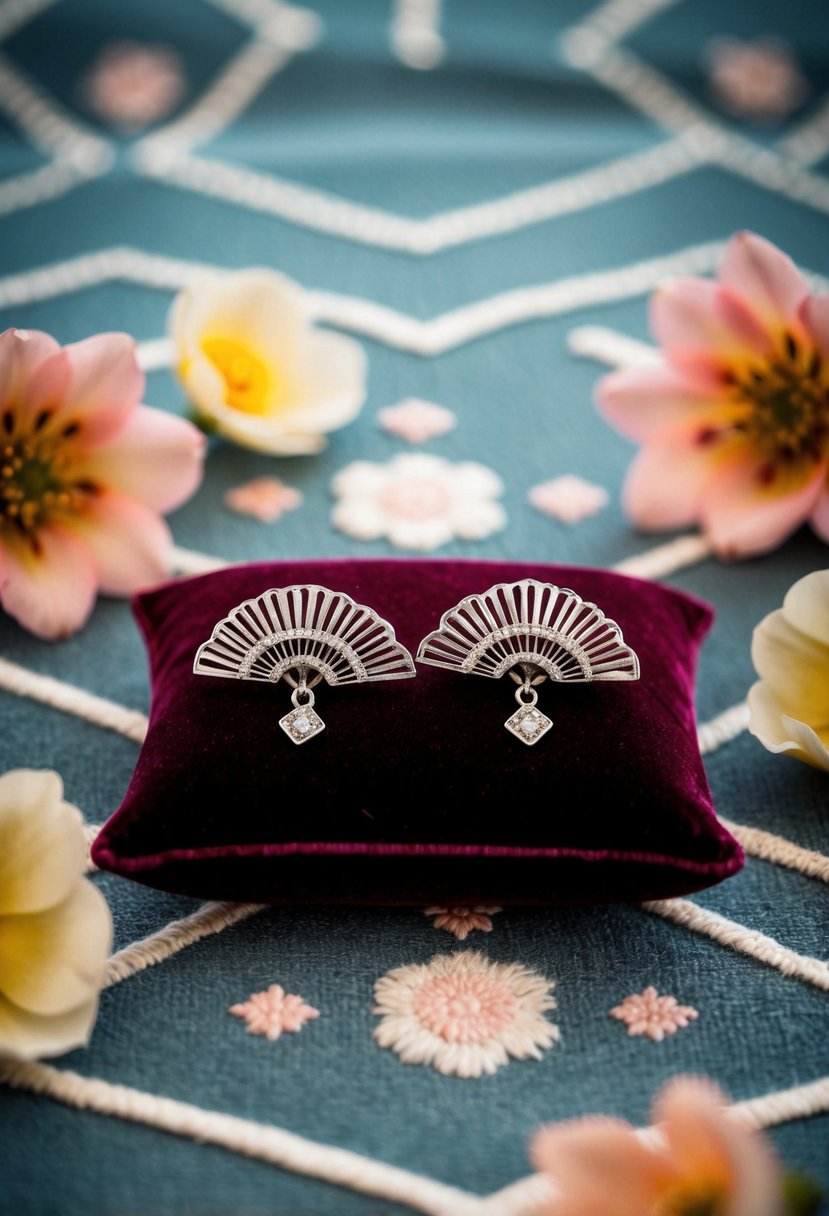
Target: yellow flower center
(784, 404)
(35, 480)
(248, 381)
(692, 1199)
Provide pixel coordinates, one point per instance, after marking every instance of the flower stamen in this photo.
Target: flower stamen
(785, 405)
(247, 382)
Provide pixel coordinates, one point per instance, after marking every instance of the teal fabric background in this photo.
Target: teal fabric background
(505, 111)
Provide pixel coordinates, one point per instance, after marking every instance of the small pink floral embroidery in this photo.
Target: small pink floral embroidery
(461, 921)
(758, 80)
(131, 85)
(648, 1013)
(272, 1012)
(416, 421)
(265, 498)
(568, 498)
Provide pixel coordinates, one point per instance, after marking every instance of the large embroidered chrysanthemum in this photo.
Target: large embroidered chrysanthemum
(85, 474)
(463, 1014)
(55, 927)
(734, 422)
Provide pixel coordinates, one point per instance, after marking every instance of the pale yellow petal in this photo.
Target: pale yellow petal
(813, 745)
(42, 844)
(795, 666)
(53, 961)
(266, 434)
(782, 734)
(30, 1036)
(806, 606)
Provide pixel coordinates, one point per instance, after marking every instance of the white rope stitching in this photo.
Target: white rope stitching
(777, 849)
(745, 941)
(72, 700)
(17, 13)
(607, 346)
(722, 729)
(210, 918)
(48, 126)
(666, 559)
(282, 1148)
(415, 33)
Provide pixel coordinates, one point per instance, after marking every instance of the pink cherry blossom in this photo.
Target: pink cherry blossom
(265, 498)
(734, 421)
(416, 421)
(460, 922)
(648, 1013)
(85, 474)
(698, 1158)
(131, 85)
(274, 1012)
(569, 498)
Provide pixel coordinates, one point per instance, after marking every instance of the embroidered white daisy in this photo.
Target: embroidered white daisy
(415, 420)
(463, 1014)
(417, 501)
(569, 498)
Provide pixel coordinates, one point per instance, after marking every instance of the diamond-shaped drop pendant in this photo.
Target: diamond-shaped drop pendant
(302, 723)
(528, 724)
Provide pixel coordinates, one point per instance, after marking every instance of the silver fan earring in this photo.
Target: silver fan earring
(532, 631)
(303, 634)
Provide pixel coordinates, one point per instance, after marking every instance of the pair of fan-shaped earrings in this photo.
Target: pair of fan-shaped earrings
(530, 630)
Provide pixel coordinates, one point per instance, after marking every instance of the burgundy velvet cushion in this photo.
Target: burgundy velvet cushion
(415, 792)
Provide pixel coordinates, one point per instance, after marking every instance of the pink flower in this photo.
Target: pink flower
(648, 1013)
(758, 80)
(460, 922)
(569, 498)
(415, 420)
(699, 1158)
(85, 474)
(734, 421)
(265, 498)
(131, 85)
(273, 1012)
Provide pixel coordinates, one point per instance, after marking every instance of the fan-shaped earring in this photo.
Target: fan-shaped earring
(533, 631)
(303, 634)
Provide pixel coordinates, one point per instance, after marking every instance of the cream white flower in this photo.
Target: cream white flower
(255, 367)
(417, 501)
(463, 1014)
(789, 704)
(55, 927)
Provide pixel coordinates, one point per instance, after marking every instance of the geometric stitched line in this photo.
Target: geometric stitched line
(768, 847)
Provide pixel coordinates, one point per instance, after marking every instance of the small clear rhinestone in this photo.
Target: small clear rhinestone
(301, 725)
(528, 727)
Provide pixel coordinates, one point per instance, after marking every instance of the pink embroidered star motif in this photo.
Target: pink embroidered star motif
(415, 420)
(265, 498)
(569, 498)
(272, 1012)
(461, 921)
(648, 1013)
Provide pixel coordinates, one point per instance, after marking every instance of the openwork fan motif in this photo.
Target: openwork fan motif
(303, 633)
(534, 628)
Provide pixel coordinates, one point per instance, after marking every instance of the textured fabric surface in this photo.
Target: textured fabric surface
(515, 104)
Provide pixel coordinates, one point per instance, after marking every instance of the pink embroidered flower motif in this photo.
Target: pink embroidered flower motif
(274, 1012)
(569, 498)
(698, 1158)
(463, 1014)
(416, 421)
(131, 85)
(758, 80)
(265, 498)
(86, 473)
(461, 921)
(734, 421)
(648, 1013)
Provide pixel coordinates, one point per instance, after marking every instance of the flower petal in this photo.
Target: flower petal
(131, 546)
(107, 385)
(43, 845)
(815, 315)
(782, 734)
(263, 433)
(601, 1167)
(337, 386)
(53, 961)
(22, 351)
(813, 745)
(819, 518)
(806, 606)
(156, 458)
(697, 320)
(28, 1036)
(766, 278)
(664, 485)
(51, 592)
(743, 515)
(795, 666)
(642, 402)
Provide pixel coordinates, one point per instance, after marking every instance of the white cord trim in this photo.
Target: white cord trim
(617, 18)
(48, 126)
(39, 186)
(415, 33)
(72, 700)
(746, 941)
(666, 559)
(91, 831)
(210, 918)
(338, 1166)
(809, 141)
(189, 562)
(726, 726)
(372, 226)
(16, 13)
(780, 851)
(607, 346)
